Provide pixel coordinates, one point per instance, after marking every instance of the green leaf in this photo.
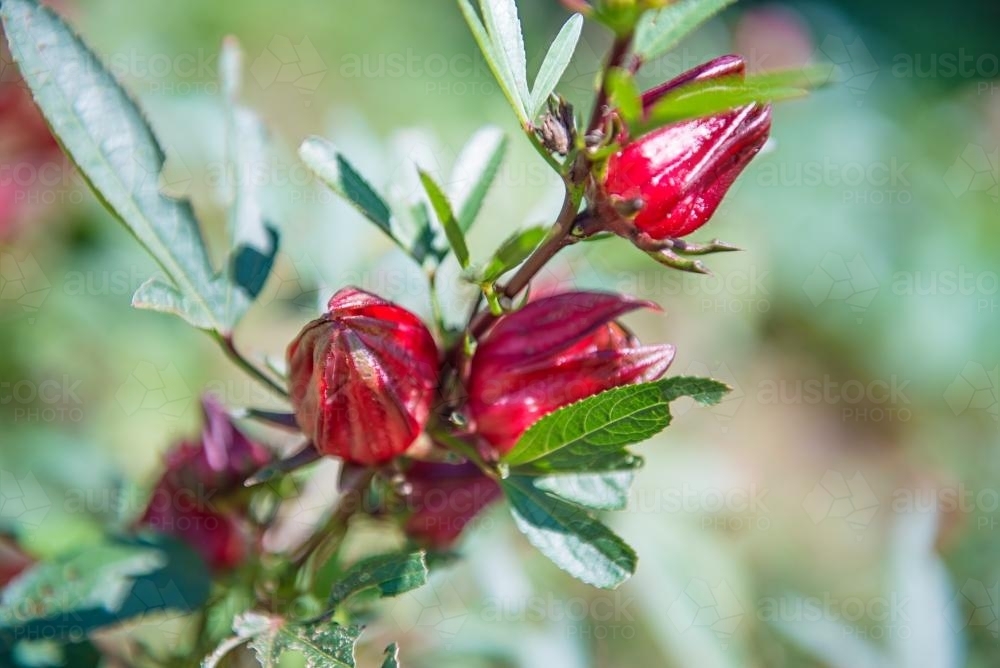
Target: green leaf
(600, 491)
(582, 457)
(391, 656)
(475, 170)
(102, 585)
(497, 61)
(105, 134)
(391, 574)
(322, 644)
(556, 61)
(513, 252)
(445, 214)
(624, 94)
(330, 165)
(704, 98)
(609, 420)
(662, 30)
(706, 391)
(504, 28)
(253, 245)
(569, 535)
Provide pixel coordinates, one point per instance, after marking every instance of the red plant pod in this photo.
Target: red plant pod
(681, 172)
(445, 498)
(553, 352)
(362, 378)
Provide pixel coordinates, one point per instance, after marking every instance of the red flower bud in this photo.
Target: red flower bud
(216, 536)
(681, 172)
(445, 498)
(553, 352)
(13, 560)
(363, 378)
(223, 459)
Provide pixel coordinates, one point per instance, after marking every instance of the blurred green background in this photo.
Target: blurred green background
(841, 508)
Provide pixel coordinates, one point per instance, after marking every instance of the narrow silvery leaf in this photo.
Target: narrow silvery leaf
(556, 61)
(496, 61)
(570, 536)
(252, 244)
(446, 215)
(504, 28)
(107, 137)
(475, 170)
(662, 30)
(330, 165)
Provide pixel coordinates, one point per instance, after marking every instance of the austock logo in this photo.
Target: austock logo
(837, 497)
(975, 170)
(702, 605)
(436, 608)
(852, 64)
(975, 388)
(22, 501)
(286, 62)
(848, 281)
(22, 284)
(151, 389)
(726, 409)
(975, 605)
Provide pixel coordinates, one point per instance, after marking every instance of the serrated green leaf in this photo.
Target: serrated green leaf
(706, 391)
(321, 644)
(105, 134)
(334, 169)
(391, 574)
(662, 30)
(600, 491)
(582, 457)
(624, 94)
(157, 295)
(570, 536)
(391, 656)
(609, 420)
(475, 170)
(504, 27)
(103, 585)
(556, 61)
(496, 61)
(513, 252)
(253, 245)
(446, 216)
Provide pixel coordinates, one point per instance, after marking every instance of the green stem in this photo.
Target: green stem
(226, 341)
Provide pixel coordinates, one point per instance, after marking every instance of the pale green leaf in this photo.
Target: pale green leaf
(570, 536)
(475, 170)
(497, 61)
(556, 61)
(504, 27)
(513, 252)
(662, 30)
(105, 134)
(446, 216)
(706, 391)
(600, 491)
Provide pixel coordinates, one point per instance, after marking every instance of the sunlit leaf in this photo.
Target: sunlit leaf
(662, 30)
(556, 61)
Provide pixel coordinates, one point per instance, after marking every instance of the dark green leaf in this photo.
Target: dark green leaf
(107, 137)
(513, 252)
(609, 420)
(706, 391)
(556, 61)
(662, 30)
(600, 491)
(582, 457)
(103, 585)
(570, 536)
(333, 168)
(391, 574)
(446, 216)
(475, 170)
(391, 656)
(322, 644)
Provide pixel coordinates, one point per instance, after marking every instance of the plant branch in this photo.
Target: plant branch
(226, 341)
